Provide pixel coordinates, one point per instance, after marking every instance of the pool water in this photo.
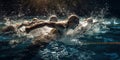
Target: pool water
(56, 50)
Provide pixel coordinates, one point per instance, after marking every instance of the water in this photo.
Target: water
(14, 47)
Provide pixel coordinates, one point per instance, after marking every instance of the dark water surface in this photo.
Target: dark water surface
(60, 51)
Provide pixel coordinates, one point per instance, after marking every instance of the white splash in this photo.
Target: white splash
(71, 35)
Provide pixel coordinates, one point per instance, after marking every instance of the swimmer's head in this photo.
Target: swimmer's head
(73, 21)
(53, 18)
(35, 19)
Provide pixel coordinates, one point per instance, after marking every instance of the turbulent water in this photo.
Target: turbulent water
(76, 48)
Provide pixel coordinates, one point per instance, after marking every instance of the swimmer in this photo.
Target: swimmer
(83, 27)
(53, 18)
(87, 25)
(22, 27)
(19, 26)
(15, 27)
(72, 22)
(57, 29)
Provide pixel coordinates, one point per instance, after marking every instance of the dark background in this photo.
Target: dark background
(79, 7)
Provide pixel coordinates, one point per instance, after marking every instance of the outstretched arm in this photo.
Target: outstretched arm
(49, 24)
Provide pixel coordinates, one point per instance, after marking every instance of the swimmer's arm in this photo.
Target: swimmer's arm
(37, 25)
(49, 24)
(34, 26)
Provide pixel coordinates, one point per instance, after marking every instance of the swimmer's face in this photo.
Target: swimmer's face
(73, 21)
